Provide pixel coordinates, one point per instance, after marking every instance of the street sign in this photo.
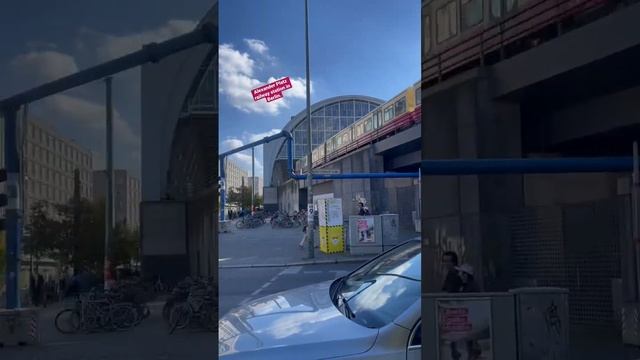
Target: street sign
(326, 171)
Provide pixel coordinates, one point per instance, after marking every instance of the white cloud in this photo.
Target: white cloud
(237, 80)
(113, 46)
(91, 116)
(258, 46)
(259, 136)
(45, 66)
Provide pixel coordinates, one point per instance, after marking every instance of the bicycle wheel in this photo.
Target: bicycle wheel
(68, 321)
(240, 224)
(180, 317)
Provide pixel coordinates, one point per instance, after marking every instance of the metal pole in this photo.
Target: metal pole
(635, 192)
(108, 233)
(13, 224)
(253, 178)
(23, 150)
(310, 215)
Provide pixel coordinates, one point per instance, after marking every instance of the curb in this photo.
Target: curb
(300, 263)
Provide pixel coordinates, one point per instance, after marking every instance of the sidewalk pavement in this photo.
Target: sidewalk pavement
(269, 247)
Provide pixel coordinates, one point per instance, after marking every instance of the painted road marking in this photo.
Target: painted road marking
(291, 271)
(313, 272)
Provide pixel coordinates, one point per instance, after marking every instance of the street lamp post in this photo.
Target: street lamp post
(108, 236)
(253, 178)
(310, 217)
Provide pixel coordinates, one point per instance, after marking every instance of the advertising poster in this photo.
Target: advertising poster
(365, 230)
(334, 210)
(464, 329)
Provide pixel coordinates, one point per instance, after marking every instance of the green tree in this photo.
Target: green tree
(80, 240)
(125, 245)
(42, 231)
(242, 197)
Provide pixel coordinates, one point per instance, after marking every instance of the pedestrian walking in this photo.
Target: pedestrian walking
(33, 288)
(305, 235)
(41, 291)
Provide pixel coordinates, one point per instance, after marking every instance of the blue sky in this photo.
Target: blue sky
(44, 40)
(357, 47)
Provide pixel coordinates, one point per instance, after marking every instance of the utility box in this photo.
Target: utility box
(19, 327)
(365, 235)
(331, 226)
(390, 230)
(542, 323)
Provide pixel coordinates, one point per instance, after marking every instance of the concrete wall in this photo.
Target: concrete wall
(462, 213)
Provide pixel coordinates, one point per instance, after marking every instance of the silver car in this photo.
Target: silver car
(372, 313)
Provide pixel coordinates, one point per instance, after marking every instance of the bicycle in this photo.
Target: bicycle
(90, 313)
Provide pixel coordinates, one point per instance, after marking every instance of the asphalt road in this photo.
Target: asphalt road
(239, 285)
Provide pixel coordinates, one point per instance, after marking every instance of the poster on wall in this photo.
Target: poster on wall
(334, 212)
(365, 230)
(464, 329)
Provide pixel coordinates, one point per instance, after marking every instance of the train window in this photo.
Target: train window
(472, 12)
(509, 5)
(388, 114)
(345, 138)
(447, 21)
(418, 95)
(368, 125)
(400, 106)
(496, 8)
(426, 34)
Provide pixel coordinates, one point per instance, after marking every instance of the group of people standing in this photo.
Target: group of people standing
(45, 291)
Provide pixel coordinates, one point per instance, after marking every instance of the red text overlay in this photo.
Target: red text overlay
(272, 91)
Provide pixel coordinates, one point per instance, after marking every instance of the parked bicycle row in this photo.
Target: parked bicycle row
(279, 219)
(192, 302)
(120, 308)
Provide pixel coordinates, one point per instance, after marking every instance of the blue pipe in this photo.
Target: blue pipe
(387, 175)
(526, 166)
(293, 175)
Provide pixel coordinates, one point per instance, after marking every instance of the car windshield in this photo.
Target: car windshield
(381, 290)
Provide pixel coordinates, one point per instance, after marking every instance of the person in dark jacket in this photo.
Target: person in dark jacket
(452, 282)
(364, 211)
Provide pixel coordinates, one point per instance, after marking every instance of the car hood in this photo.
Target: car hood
(295, 324)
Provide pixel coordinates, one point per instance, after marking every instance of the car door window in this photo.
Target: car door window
(414, 348)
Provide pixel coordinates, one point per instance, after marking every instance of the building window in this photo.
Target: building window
(447, 21)
(400, 106)
(472, 12)
(388, 114)
(426, 35)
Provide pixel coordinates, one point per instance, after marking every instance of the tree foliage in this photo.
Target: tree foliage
(242, 197)
(74, 234)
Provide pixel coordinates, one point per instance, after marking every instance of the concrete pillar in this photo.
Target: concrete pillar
(468, 214)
